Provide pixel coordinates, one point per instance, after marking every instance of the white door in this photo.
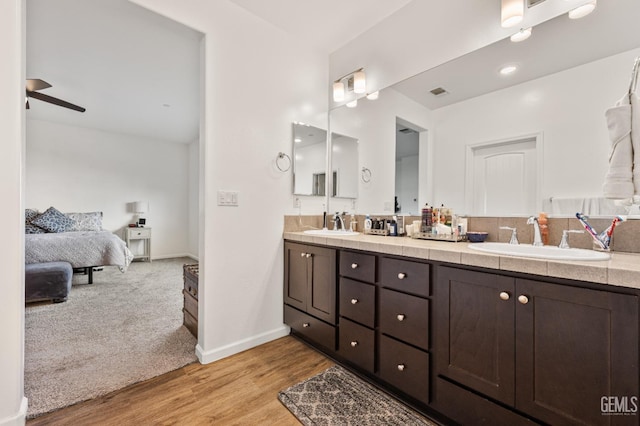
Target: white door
(504, 178)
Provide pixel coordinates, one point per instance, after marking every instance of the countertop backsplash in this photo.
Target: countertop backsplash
(626, 237)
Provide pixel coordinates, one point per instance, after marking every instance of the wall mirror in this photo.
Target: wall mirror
(309, 159)
(568, 73)
(344, 162)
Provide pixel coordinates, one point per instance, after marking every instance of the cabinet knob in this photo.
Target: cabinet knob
(354, 265)
(354, 301)
(523, 299)
(401, 367)
(308, 255)
(401, 276)
(400, 317)
(504, 295)
(354, 344)
(303, 254)
(306, 324)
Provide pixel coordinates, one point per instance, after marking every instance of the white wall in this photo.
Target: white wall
(12, 402)
(258, 80)
(407, 184)
(373, 123)
(567, 108)
(194, 206)
(76, 169)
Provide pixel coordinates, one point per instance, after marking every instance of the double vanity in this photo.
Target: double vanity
(469, 336)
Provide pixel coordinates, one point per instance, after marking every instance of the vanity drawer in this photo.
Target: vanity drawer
(358, 266)
(310, 327)
(405, 275)
(405, 317)
(139, 233)
(357, 344)
(405, 368)
(358, 301)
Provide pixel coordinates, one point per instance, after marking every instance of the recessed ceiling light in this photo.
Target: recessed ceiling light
(373, 96)
(521, 35)
(352, 104)
(297, 140)
(508, 69)
(582, 11)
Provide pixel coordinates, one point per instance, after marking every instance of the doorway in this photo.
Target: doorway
(408, 166)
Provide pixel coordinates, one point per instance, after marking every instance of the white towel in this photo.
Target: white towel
(619, 179)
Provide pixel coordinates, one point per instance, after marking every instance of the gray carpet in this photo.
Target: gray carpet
(338, 397)
(122, 329)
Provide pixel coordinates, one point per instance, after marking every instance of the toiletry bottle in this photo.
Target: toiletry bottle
(367, 224)
(393, 227)
(427, 219)
(544, 228)
(352, 223)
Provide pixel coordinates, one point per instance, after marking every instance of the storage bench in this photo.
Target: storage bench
(47, 281)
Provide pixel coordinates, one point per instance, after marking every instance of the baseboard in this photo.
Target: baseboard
(173, 256)
(239, 346)
(20, 418)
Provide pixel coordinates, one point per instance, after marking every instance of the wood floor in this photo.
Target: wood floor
(239, 390)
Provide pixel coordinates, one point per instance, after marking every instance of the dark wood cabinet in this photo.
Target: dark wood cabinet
(310, 280)
(549, 351)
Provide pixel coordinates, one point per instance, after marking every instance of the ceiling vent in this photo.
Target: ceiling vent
(531, 3)
(407, 131)
(438, 91)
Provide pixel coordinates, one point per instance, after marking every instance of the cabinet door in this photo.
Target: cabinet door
(296, 275)
(321, 299)
(475, 331)
(575, 346)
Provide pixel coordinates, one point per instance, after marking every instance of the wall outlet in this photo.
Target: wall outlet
(297, 203)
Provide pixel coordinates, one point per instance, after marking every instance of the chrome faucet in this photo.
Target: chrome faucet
(338, 222)
(514, 234)
(537, 238)
(563, 243)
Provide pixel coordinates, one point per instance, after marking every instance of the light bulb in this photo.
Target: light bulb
(338, 91)
(359, 82)
(373, 96)
(512, 12)
(352, 104)
(509, 69)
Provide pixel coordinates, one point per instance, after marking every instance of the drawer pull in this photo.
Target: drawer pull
(354, 265)
(308, 255)
(354, 301)
(354, 344)
(306, 324)
(504, 295)
(523, 299)
(402, 276)
(400, 317)
(400, 367)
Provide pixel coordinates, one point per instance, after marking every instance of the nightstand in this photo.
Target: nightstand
(132, 234)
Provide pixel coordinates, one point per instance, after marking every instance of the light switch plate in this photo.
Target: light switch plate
(228, 198)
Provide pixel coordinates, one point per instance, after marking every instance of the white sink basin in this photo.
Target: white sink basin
(331, 233)
(539, 252)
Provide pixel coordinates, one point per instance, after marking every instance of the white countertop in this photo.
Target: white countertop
(623, 269)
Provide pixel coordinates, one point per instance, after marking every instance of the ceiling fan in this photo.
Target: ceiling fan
(35, 84)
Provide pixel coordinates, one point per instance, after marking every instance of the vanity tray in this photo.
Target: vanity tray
(438, 237)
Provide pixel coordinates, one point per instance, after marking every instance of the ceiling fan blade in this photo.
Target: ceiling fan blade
(55, 101)
(34, 84)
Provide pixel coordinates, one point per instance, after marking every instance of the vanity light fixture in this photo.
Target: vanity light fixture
(373, 96)
(352, 104)
(582, 11)
(512, 13)
(355, 81)
(521, 35)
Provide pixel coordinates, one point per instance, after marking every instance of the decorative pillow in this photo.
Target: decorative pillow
(91, 221)
(52, 220)
(29, 228)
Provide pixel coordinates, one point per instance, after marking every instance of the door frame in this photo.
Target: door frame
(537, 138)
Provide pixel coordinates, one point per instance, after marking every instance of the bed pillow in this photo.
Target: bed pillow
(52, 220)
(91, 221)
(29, 228)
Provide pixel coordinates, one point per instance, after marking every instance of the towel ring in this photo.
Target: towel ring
(280, 156)
(365, 175)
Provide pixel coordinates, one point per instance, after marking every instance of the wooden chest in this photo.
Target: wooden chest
(190, 294)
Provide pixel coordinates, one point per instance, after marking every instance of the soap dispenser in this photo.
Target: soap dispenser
(367, 223)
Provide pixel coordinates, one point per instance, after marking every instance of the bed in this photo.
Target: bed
(84, 249)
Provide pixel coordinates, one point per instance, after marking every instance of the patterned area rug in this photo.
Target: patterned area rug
(337, 397)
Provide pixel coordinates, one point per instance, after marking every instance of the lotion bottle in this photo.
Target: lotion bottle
(367, 223)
